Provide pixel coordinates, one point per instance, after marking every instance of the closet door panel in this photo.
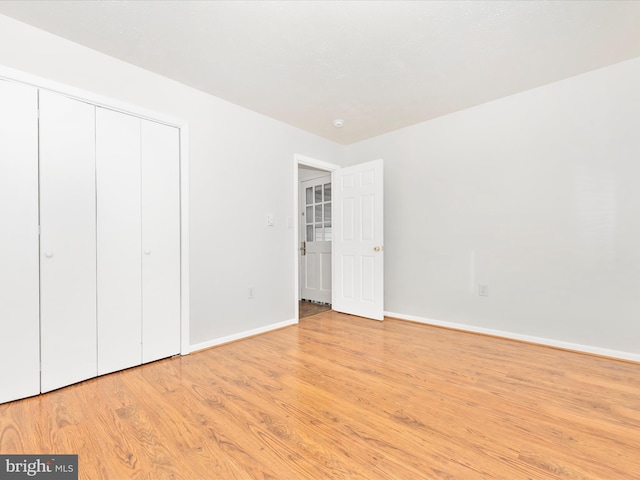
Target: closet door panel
(118, 241)
(68, 241)
(19, 276)
(161, 241)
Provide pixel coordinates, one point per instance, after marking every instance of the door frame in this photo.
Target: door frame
(302, 160)
(13, 75)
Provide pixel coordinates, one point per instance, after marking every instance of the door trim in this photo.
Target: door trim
(301, 160)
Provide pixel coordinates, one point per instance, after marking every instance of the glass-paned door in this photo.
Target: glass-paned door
(316, 236)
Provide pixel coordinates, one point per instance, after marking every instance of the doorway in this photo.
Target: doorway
(356, 231)
(314, 239)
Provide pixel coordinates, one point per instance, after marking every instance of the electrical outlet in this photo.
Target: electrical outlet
(483, 290)
(252, 292)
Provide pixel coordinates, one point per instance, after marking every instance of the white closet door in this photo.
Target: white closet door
(68, 241)
(119, 241)
(160, 241)
(19, 322)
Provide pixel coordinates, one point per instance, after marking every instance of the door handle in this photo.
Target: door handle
(303, 248)
(378, 249)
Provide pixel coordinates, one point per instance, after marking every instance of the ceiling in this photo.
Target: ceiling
(379, 65)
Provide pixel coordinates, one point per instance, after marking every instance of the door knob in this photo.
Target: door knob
(147, 252)
(48, 254)
(377, 249)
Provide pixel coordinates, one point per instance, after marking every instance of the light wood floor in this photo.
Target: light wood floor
(339, 397)
(307, 309)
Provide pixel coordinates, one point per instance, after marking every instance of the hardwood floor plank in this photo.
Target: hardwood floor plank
(340, 397)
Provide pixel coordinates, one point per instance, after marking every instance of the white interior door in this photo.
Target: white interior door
(19, 276)
(316, 226)
(118, 241)
(358, 286)
(68, 241)
(160, 241)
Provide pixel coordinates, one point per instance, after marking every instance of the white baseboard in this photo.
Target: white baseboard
(241, 335)
(634, 357)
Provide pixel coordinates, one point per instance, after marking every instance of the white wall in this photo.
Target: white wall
(241, 170)
(536, 195)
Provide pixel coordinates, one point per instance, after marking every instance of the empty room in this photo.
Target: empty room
(297, 240)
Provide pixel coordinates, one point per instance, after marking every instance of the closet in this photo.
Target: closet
(98, 290)
(138, 240)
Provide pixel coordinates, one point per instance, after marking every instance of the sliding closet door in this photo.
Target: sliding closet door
(119, 241)
(19, 322)
(160, 241)
(68, 241)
